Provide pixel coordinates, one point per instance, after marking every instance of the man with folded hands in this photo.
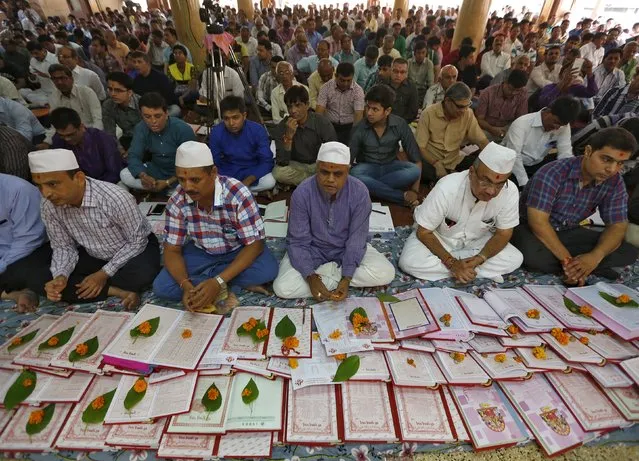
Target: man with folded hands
(214, 237)
(328, 233)
(466, 222)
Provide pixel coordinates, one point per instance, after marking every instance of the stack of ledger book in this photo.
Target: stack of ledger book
(435, 365)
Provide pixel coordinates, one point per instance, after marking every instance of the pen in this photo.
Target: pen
(380, 212)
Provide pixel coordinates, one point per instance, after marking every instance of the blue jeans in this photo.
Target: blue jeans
(387, 181)
(201, 265)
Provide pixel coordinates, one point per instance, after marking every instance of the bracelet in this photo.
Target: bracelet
(482, 256)
(448, 262)
(184, 281)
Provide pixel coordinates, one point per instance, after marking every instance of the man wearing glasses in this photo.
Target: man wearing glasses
(443, 127)
(121, 109)
(466, 222)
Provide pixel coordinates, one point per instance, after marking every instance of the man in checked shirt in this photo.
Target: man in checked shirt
(102, 244)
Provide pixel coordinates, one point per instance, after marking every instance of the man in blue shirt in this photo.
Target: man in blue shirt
(24, 252)
(150, 80)
(241, 148)
(157, 136)
(15, 115)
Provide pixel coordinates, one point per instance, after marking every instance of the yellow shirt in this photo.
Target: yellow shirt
(120, 51)
(315, 84)
(441, 138)
(181, 77)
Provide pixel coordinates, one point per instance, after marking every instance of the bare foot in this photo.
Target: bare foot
(27, 301)
(258, 289)
(130, 300)
(411, 199)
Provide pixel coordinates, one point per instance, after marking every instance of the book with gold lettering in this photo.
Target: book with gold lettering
(312, 415)
(368, 412)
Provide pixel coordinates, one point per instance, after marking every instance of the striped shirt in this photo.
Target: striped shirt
(234, 220)
(579, 140)
(108, 225)
(14, 153)
(341, 105)
(616, 101)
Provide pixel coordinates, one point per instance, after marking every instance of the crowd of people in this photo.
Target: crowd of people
(516, 142)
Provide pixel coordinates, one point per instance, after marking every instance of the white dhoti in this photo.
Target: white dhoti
(374, 270)
(418, 261)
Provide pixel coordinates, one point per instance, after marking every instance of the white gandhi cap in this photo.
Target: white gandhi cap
(334, 152)
(48, 160)
(193, 154)
(498, 158)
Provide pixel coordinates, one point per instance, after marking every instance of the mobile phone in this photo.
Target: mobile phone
(157, 209)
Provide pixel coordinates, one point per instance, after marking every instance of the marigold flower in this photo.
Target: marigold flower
(584, 340)
(246, 392)
(261, 333)
(81, 349)
(336, 334)
(316, 336)
(340, 357)
(293, 363)
(539, 353)
(585, 310)
(501, 358)
(27, 382)
(458, 356)
(53, 341)
(555, 332)
(252, 321)
(359, 319)
(212, 394)
(623, 299)
(518, 359)
(532, 314)
(186, 333)
(139, 386)
(445, 318)
(97, 403)
(291, 342)
(246, 326)
(411, 362)
(512, 329)
(36, 417)
(16, 341)
(144, 328)
(564, 339)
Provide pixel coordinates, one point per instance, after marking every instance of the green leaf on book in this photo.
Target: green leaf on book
(250, 393)
(285, 328)
(20, 389)
(612, 300)
(96, 415)
(358, 310)
(134, 397)
(22, 340)
(347, 369)
(92, 346)
(153, 324)
(386, 298)
(212, 404)
(60, 340)
(44, 419)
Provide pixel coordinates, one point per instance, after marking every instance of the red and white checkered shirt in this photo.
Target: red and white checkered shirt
(341, 105)
(108, 225)
(234, 220)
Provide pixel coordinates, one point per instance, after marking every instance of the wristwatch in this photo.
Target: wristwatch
(220, 282)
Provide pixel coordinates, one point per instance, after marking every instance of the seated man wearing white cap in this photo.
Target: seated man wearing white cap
(102, 244)
(466, 222)
(328, 232)
(214, 236)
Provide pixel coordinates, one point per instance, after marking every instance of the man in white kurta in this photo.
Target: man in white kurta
(465, 223)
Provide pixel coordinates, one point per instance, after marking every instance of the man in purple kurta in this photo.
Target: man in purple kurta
(328, 234)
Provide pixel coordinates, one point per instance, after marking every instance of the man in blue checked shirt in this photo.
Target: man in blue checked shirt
(221, 222)
(565, 192)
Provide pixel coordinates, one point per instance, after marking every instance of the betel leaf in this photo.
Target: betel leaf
(285, 328)
(92, 346)
(23, 340)
(357, 310)
(133, 397)
(347, 369)
(47, 414)
(63, 338)
(573, 307)
(386, 298)
(212, 404)
(95, 416)
(154, 322)
(18, 391)
(250, 393)
(613, 300)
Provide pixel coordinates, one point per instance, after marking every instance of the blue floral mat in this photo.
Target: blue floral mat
(11, 322)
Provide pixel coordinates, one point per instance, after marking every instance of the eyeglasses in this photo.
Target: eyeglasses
(461, 106)
(487, 184)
